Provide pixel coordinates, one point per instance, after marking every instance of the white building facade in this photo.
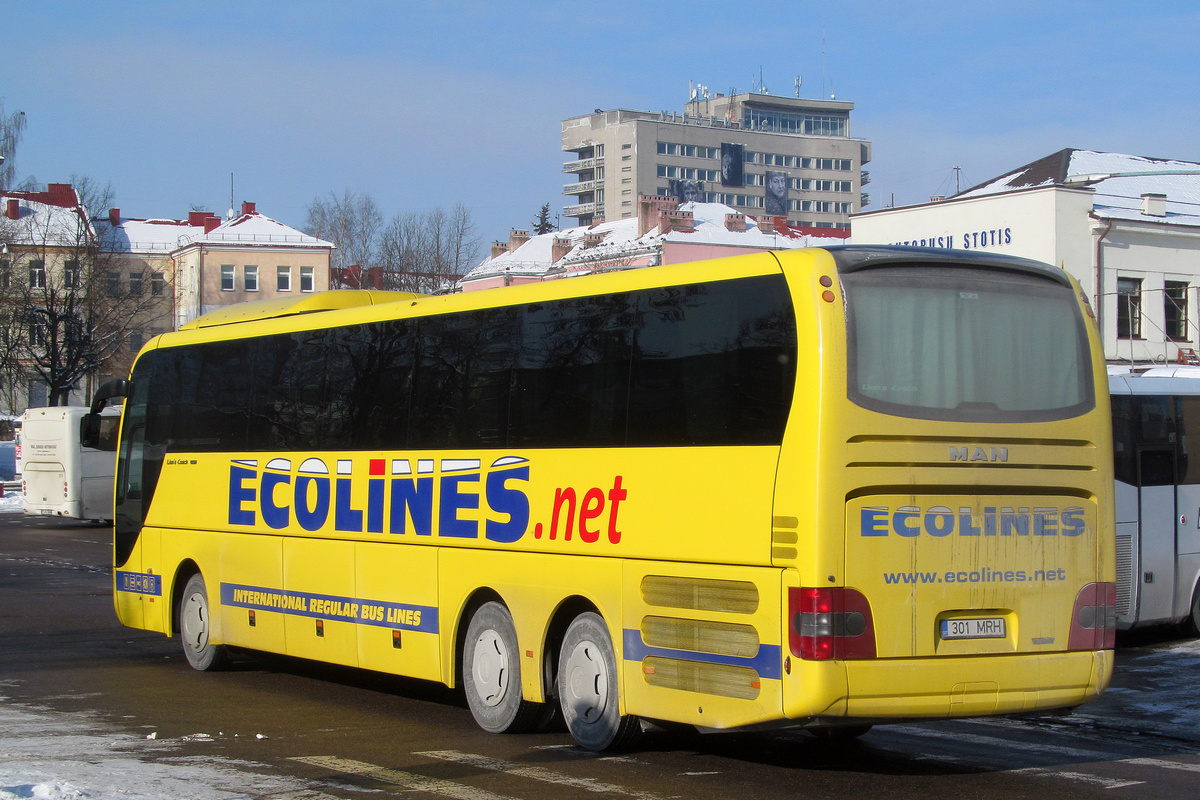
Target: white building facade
(1126, 227)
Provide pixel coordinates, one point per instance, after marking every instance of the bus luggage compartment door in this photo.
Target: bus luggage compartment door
(970, 574)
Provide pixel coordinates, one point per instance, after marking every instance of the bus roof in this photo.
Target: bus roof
(286, 306)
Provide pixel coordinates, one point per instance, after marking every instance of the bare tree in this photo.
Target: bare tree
(352, 223)
(428, 251)
(11, 128)
(71, 311)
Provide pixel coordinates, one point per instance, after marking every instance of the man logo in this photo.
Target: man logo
(978, 454)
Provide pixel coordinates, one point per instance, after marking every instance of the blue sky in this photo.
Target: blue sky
(425, 104)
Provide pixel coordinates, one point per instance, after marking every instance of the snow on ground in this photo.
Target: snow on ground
(49, 755)
(10, 503)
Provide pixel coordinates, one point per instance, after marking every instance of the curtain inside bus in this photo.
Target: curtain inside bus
(949, 343)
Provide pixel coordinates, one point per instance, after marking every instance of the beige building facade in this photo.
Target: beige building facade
(757, 153)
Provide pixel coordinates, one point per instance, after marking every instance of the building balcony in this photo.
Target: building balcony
(583, 164)
(866, 177)
(583, 210)
(864, 200)
(582, 187)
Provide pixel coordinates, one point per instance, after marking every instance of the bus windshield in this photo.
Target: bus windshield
(961, 344)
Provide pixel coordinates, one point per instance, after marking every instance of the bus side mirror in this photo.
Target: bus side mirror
(107, 391)
(89, 430)
(90, 426)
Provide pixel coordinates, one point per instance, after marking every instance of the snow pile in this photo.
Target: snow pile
(53, 756)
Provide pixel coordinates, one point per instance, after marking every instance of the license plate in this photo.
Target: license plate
(45, 512)
(975, 628)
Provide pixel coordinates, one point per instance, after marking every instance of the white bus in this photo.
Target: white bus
(1156, 427)
(59, 476)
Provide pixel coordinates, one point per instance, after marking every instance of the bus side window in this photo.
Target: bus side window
(1125, 429)
(1187, 426)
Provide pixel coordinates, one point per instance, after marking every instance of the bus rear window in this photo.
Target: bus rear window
(966, 344)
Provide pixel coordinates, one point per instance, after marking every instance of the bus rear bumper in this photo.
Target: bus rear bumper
(930, 688)
(974, 686)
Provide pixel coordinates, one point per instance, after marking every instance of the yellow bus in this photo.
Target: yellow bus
(822, 488)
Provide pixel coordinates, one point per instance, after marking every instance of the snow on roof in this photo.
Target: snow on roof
(619, 239)
(43, 223)
(253, 228)
(146, 236)
(1118, 180)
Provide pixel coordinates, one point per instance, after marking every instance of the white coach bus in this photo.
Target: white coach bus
(1156, 430)
(59, 476)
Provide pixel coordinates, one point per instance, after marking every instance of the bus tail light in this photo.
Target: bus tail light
(832, 623)
(1094, 619)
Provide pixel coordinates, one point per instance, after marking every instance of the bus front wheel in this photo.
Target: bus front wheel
(1193, 621)
(587, 687)
(492, 673)
(195, 626)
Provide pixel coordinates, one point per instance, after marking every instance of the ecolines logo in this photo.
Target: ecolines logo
(913, 521)
(399, 499)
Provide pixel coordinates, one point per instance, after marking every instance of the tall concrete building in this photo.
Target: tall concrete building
(763, 155)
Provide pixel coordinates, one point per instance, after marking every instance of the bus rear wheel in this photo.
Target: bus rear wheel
(492, 673)
(587, 687)
(195, 627)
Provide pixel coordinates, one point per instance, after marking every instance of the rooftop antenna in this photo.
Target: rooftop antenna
(824, 71)
(957, 179)
(230, 214)
(762, 88)
(798, 81)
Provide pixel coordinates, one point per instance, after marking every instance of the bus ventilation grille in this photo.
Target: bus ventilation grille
(1124, 575)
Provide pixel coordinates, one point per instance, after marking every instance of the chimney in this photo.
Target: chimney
(499, 248)
(592, 239)
(62, 195)
(196, 218)
(516, 238)
(1154, 204)
(649, 207)
(13, 209)
(114, 217)
(735, 222)
(211, 223)
(247, 207)
(772, 224)
(559, 247)
(675, 220)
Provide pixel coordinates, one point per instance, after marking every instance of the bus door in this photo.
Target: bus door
(1187, 502)
(1157, 515)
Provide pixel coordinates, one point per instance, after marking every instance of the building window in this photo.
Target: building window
(283, 279)
(227, 277)
(136, 340)
(135, 284)
(250, 277)
(1129, 308)
(113, 284)
(37, 274)
(158, 284)
(307, 282)
(1175, 310)
(5, 273)
(37, 335)
(71, 274)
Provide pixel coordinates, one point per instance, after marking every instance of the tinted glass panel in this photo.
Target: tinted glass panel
(966, 344)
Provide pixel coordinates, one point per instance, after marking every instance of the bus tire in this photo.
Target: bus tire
(588, 688)
(492, 673)
(195, 626)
